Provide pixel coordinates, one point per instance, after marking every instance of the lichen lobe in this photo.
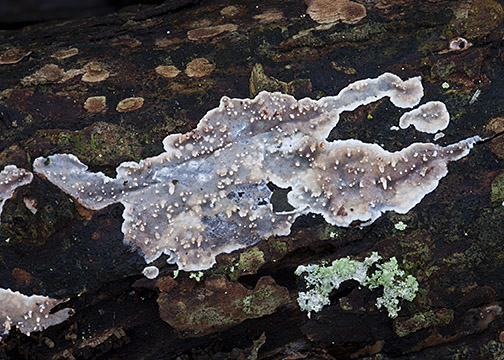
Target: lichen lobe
(208, 192)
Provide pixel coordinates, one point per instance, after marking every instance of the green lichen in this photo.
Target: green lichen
(322, 280)
(196, 275)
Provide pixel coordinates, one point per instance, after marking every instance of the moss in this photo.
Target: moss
(497, 192)
(250, 261)
(259, 81)
(279, 246)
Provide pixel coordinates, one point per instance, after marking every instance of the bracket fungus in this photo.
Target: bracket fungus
(208, 192)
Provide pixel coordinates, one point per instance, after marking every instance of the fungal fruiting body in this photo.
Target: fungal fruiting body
(209, 192)
(12, 177)
(29, 313)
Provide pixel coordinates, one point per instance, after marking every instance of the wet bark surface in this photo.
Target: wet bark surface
(109, 89)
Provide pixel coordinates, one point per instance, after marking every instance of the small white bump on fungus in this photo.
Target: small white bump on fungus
(208, 193)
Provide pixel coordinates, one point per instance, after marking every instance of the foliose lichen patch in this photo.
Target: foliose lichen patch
(209, 192)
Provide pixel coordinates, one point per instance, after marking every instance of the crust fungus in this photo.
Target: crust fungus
(94, 72)
(29, 313)
(430, 117)
(13, 56)
(95, 104)
(331, 11)
(64, 54)
(210, 31)
(457, 44)
(199, 67)
(167, 71)
(11, 178)
(208, 192)
(130, 104)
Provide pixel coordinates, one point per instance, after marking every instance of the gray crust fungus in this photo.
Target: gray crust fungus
(11, 178)
(430, 117)
(29, 313)
(208, 192)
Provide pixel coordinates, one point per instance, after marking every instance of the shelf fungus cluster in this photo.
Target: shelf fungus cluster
(210, 191)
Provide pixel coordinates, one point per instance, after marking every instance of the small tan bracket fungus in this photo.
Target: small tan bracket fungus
(199, 67)
(11, 178)
(130, 104)
(95, 104)
(13, 56)
(94, 72)
(210, 31)
(167, 71)
(29, 313)
(332, 11)
(208, 192)
(64, 54)
(430, 118)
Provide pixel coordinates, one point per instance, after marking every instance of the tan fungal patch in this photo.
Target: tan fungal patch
(270, 15)
(230, 11)
(126, 40)
(208, 192)
(64, 54)
(331, 11)
(31, 204)
(167, 71)
(130, 104)
(94, 72)
(167, 42)
(199, 67)
(95, 104)
(210, 31)
(50, 73)
(13, 56)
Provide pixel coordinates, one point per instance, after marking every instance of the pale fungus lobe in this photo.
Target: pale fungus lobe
(11, 178)
(29, 313)
(430, 117)
(332, 11)
(13, 56)
(150, 272)
(199, 67)
(94, 72)
(95, 104)
(167, 71)
(210, 31)
(210, 191)
(64, 54)
(130, 104)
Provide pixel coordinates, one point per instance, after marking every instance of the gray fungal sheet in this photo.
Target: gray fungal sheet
(208, 192)
(29, 313)
(11, 178)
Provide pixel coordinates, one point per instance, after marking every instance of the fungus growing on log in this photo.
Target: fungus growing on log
(209, 192)
(430, 118)
(11, 178)
(29, 313)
